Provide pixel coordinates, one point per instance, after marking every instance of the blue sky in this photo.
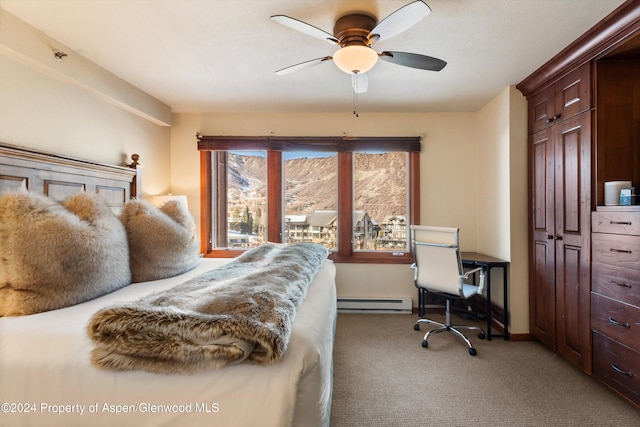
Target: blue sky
(287, 154)
(296, 154)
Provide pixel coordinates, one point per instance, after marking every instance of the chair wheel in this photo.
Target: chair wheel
(472, 351)
(425, 344)
(481, 335)
(416, 327)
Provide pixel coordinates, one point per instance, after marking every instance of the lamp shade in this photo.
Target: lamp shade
(161, 200)
(355, 59)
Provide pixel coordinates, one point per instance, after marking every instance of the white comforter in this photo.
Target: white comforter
(46, 378)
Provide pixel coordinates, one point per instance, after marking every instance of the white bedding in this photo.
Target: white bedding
(46, 378)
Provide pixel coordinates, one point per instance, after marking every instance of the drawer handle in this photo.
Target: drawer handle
(615, 322)
(626, 285)
(620, 222)
(622, 251)
(621, 371)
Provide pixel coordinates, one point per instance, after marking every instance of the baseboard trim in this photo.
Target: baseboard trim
(521, 337)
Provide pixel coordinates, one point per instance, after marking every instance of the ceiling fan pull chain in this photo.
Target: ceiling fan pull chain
(355, 94)
(355, 104)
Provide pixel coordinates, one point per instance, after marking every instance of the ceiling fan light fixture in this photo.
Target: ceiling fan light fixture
(355, 59)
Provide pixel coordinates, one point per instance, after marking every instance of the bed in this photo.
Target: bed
(46, 372)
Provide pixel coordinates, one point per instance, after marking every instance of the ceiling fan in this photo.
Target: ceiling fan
(355, 34)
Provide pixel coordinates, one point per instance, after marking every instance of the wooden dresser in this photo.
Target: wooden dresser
(615, 299)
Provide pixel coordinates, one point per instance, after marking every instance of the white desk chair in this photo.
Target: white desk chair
(438, 270)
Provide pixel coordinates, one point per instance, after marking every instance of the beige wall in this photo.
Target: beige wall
(518, 196)
(502, 205)
(76, 108)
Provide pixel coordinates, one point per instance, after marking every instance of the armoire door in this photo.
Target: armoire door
(542, 293)
(572, 142)
(560, 183)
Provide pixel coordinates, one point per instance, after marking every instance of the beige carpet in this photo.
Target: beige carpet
(383, 377)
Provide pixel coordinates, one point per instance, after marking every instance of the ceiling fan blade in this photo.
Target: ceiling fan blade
(399, 21)
(303, 65)
(305, 28)
(360, 82)
(413, 60)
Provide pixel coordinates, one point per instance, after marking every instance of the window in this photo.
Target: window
(380, 201)
(311, 197)
(356, 196)
(242, 202)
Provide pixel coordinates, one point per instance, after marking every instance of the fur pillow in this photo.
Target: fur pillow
(162, 241)
(54, 255)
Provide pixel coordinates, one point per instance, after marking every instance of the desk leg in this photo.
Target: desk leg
(487, 277)
(505, 317)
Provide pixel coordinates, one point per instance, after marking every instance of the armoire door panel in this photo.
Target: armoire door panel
(542, 294)
(541, 110)
(568, 300)
(542, 181)
(572, 139)
(568, 182)
(573, 93)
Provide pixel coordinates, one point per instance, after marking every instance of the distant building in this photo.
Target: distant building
(296, 228)
(393, 232)
(363, 231)
(323, 227)
(320, 227)
(242, 240)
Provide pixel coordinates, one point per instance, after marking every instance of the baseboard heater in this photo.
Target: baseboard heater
(375, 305)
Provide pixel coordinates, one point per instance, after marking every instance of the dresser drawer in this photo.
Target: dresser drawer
(617, 366)
(616, 320)
(616, 222)
(616, 282)
(616, 250)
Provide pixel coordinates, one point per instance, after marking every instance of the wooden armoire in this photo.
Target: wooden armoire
(560, 119)
(584, 257)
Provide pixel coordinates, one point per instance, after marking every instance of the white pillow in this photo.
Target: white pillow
(54, 255)
(162, 241)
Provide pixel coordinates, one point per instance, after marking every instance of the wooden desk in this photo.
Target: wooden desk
(487, 263)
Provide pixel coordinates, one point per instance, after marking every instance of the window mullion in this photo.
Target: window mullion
(275, 197)
(222, 164)
(345, 203)
(206, 202)
(414, 188)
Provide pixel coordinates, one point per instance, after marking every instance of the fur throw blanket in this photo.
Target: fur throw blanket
(241, 310)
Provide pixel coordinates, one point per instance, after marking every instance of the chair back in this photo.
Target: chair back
(437, 259)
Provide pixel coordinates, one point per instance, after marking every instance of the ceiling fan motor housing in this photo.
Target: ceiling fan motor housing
(353, 29)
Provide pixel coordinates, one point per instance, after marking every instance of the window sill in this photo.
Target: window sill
(355, 258)
(372, 258)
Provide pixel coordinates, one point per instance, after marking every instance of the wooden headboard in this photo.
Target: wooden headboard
(59, 176)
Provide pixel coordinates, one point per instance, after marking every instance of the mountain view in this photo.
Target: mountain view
(310, 184)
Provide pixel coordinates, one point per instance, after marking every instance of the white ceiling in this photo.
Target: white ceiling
(221, 55)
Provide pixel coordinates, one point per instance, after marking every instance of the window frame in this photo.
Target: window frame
(275, 146)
